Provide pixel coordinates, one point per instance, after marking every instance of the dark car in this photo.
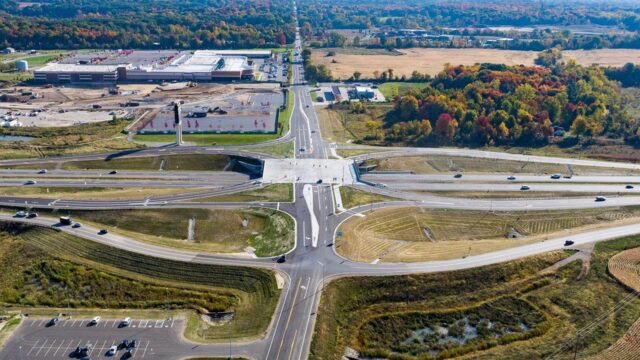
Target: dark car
(281, 259)
(52, 322)
(629, 187)
(568, 243)
(102, 232)
(132, 344)
(32, 215)
(113, 172)
(319, 181)
(457, 176)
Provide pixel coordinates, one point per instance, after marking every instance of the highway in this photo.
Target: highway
(313, 262)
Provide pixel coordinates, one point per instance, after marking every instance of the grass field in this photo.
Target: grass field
(77, 139)
(434, 164)
(432, 61)
(92, 193)
(193, 162)
(418, 234)
(269, 193)
(595, 304)
(46, 268)
(391, 89)
(339, 124)
(283, 149)
(353, 197)
(269, 232)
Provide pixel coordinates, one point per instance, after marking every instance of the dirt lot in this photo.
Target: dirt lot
(431, 61)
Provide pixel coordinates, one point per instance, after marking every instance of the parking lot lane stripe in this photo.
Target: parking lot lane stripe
(50, 347)
(102, 348)
(65, 348)
(114, 324)
(42, 322)
(74, 323)
(33, 347)
(41, 347)
(145, 349)
(31, 323)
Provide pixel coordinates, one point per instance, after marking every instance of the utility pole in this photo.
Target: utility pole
(177, 116)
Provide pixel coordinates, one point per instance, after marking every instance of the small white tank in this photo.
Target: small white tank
(23, 65)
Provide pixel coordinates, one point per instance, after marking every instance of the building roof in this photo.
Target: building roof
(78, 68)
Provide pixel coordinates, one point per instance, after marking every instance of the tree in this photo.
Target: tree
(408, 107)
(356, 75)
(446, 127)
(579, 126)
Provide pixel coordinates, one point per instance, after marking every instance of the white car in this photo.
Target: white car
(95, 320)
(126, 322)
(112, 350)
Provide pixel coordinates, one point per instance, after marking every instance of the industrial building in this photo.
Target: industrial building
(144, 66)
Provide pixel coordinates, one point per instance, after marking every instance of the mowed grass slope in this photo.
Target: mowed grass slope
(193, 162)
(270, 193)
(47, 268)
(544, 309)
(352, 197)
(268, 231)
(419, 234)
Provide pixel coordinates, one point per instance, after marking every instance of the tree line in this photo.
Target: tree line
(146, 24)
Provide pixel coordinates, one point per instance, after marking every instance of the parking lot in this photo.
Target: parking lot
(156, 339)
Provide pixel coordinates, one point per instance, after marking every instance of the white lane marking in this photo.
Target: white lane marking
(307, 192)
(145, 349)
(50, 347)
(41, 347)
(33, 347)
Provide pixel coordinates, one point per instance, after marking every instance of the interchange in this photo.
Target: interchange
(314, 262)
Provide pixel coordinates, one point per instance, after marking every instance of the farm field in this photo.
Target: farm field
(35, 260)
(450, 311)
(409, 234)
(624, 267)
(431, 61)
(434, 164)
(268, 232)
(194, 162)
(339, 124)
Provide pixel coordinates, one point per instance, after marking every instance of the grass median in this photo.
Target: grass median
(192, 162)
(47, 268)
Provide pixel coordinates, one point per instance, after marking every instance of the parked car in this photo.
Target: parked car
(95, 320)
(52, 322)
(112, 350)
(126, 322)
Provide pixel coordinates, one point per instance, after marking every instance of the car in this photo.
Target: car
(302, 149)
(52, 322)
(281, 259)
(95, 320)
(81, 352)
(568, 243)
(629, 187)
(126, 322)
(124, 344)
(313, 131)
(76, 225)
(457, 176)
(319, 181)
(524, 187)
(112, 350)
(42, 171)
(511, 177)
(32, 215)
(556, 176)
(102, 232)
(307, 105)
(30, 182)
(127, 355)
(132, 344)
(113, 172)
(601, 198)
(20, 214)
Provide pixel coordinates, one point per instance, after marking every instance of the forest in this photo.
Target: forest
(145, 24)
(532, 25)
(490, 104)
